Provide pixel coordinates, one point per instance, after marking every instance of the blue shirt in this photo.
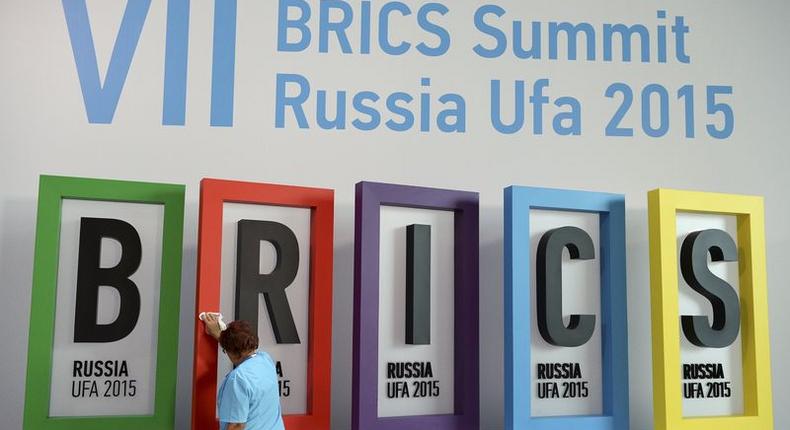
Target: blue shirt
(250, 394)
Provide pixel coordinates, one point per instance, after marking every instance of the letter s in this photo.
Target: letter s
(722, 297)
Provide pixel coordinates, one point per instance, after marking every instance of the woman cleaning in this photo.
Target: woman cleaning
(249, 397)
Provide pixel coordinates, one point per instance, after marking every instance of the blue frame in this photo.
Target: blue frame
(614, 332)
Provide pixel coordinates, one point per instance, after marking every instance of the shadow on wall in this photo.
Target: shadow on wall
(640, 374)
(491, 317)
(187, 321)
(16, 272)
(343, 318)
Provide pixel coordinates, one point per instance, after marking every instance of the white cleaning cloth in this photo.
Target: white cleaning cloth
(222, 325)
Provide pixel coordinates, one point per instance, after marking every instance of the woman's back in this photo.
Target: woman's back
(250, 394)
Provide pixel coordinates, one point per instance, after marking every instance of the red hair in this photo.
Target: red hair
(238, 338)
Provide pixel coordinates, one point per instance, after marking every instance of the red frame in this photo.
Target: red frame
(213, 194)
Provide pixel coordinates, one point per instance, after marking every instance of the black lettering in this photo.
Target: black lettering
(541, 371)
(703, 371)
(577, 371)
(418, 284)
(250, 282)
(720, 294)
(549, 286)
(91, 276)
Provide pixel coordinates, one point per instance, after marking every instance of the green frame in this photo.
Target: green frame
(52, 191)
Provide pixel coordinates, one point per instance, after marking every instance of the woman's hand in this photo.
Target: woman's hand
(211, 323)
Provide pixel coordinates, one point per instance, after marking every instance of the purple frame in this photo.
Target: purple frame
(369, 197)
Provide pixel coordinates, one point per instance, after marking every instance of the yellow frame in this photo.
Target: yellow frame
(663, 205)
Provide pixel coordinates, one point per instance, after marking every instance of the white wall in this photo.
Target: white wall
(43, 129)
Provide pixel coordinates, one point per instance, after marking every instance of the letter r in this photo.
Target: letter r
(250, 282)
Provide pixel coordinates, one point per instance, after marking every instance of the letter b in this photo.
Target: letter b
(91, 276)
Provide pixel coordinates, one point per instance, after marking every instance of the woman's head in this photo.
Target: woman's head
(238, 339)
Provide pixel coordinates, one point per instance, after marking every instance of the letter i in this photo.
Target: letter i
(364, 47)
(662, 38)
(425, 106)
(176, 59)
(223, 66)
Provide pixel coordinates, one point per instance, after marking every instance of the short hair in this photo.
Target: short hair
(238, 338)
